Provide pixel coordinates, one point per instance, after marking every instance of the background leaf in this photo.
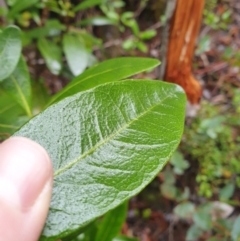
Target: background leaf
(51, 28)
(184, 210)
(106, 145)
(52, 55)
(87, 4)
(88, 233)
(227, 191)
(124, 238)
(76, 53)
(97, 21)
(10, 50)
(194, 233)
(107, 71)
(112, 223)
(148, 34)
(235, 234)
(202, 217)
(19, 87)
(40, 96)
(20, 6)
(179, 163)
(11, 116)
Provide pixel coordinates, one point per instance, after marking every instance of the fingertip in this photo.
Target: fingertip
(26, 177)
(26, 165)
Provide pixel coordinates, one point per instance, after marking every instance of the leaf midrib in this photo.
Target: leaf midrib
(110, 137)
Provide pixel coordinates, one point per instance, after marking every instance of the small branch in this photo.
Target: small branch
(170, 8)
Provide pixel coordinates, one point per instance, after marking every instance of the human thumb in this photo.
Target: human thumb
(25, 189)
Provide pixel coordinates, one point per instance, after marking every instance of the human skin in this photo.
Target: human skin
(26, 176)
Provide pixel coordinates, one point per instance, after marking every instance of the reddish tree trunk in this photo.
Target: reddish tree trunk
(184, 29)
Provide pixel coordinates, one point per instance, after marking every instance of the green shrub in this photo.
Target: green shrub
(107, 136)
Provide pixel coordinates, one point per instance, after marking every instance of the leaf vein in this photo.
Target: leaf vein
(91, 150)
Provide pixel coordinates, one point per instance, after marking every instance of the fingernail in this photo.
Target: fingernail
(24, 167)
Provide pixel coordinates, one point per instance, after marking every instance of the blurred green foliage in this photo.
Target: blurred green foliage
(216, 20)
(213, 141)
(232, 56)
(48, 21)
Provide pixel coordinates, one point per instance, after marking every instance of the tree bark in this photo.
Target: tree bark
(184, 27)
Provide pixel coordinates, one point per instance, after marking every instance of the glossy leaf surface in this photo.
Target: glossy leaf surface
(10, 50)
(76, 53)
(19, 87)
(106, 145)
(107, 71)
(52, 55)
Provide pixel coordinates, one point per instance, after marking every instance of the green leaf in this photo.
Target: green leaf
(179, 163)
(204, 45)
(11, 116)
(227, 191)
(169, 177)
(87, 4)
(52, 55)
(10, 50)
(168, 191)
(124, 238)
(193, 233)
(235, 234)
(106, 145)
(128, 19)
(89, 40)
(76, 53)
(92, 60)
(97, 21)
(40, 96)
(19, 87)
(20, 6)
(107, 71)
(226, 223)
(10, 2)
(52, 28)
(203, 220)
(148, 34)
(129, 44)
(142, 46)
(112, 223)
(88, 233)
(184, 210)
